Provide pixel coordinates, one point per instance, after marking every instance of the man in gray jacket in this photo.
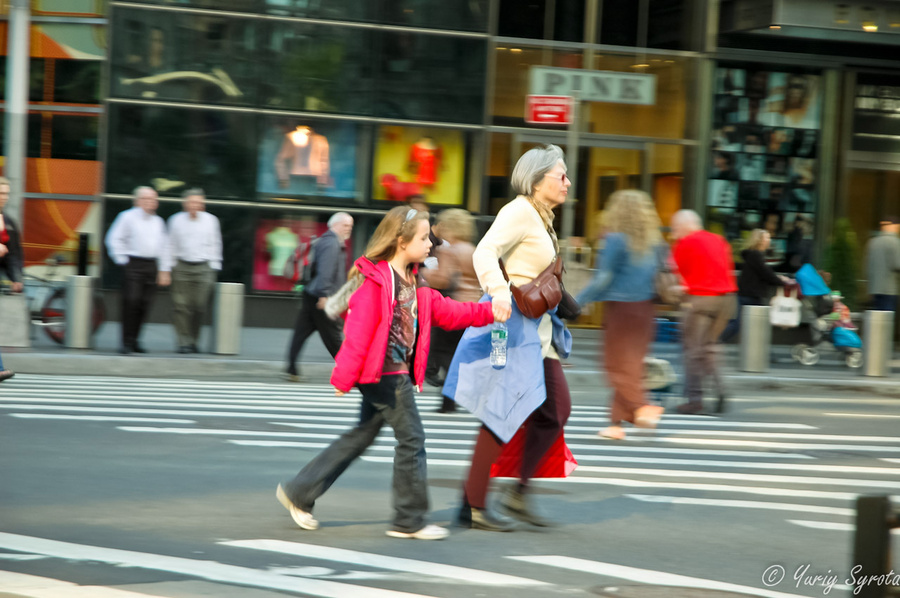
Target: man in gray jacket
(329, 272)
(883, 263)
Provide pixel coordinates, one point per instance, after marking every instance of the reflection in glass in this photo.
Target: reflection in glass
(174, 149)
(176, 56)
(77, 81)
(317, 68)
(74, 137)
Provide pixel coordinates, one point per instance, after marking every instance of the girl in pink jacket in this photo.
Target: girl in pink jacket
(385, 351)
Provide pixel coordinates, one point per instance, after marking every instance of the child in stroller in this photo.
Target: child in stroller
(829, 321)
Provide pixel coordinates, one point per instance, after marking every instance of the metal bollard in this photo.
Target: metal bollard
(756, 338)
(878, 342)
(228, 318)
(875, 518)
(79, 312)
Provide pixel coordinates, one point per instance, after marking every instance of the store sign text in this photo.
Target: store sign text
(881, 98)
(594, 86)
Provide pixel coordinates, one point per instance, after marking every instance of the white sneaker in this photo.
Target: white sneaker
(302, 518)
(429, 532)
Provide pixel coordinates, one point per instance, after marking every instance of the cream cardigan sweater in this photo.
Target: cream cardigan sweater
(519, 237)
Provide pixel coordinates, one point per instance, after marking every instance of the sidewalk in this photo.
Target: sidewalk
(263, 350)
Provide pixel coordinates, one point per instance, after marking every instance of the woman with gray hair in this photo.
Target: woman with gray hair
(531, 389)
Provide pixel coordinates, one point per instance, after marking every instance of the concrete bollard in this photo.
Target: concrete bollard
(756, 339)
(878, 342)
(79, 312)
(228, 318)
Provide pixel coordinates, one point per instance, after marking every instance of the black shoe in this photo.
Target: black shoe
(125, 350)
(194, 349)
(690, 408)
(472, 518)
(448, 406)
(720, 404)
(434, 380)
(184, 349)
(517, 504)
(139, 349)
(6, 375)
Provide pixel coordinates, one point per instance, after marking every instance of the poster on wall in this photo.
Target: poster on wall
(762, 170)
(302, 157)
(419, 161)
(279, 249)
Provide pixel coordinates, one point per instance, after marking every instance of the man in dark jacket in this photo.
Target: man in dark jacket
(329, 272)
(883, 263)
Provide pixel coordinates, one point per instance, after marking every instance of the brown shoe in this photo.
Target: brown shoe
(6, 375)
(647, 416)
(612, 433)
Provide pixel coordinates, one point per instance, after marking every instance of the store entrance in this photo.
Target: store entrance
(871, 195)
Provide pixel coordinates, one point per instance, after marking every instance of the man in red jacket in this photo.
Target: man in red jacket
(707, 268)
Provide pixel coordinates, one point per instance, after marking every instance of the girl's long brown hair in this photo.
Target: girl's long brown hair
(398, 225)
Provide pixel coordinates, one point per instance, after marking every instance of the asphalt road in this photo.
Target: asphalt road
(129, 488)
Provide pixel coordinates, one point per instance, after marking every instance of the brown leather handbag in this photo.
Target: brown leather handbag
(542, 294)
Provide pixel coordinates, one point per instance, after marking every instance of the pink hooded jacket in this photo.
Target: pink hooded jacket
(361, 357)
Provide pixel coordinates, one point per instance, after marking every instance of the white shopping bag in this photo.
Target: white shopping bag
(785, 310)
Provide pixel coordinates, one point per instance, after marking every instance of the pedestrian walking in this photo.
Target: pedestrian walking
(628, 262)
(388, 337)
(706, 267)
(195, 247)
(883, 263)
(138, 242)
(453, 277)
(755, 281)
(328, 266)
(531, 389)
(11, 258)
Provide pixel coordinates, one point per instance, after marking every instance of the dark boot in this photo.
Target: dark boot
(515, 503)
(472, 518)
(447, 406)
(720, 403)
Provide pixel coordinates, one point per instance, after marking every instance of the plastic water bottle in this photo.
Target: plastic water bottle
(498, 345)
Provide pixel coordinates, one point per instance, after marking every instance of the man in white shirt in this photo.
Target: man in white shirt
(195, 248)
(137, 240)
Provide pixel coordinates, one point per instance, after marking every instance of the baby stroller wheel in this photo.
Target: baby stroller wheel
(854, 359)
(797, 350)
(809, 356)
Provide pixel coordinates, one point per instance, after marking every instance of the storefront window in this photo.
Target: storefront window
(430, 77)
(422, 161)
(175, 149)
(560, 20)
(763, 165)
(77, 81)
(53, 227)
(74, 137)
(319, 68)
(299, 157)
(232, 5)
(514, 64)
(165, 55)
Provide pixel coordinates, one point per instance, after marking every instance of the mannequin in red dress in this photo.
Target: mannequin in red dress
(425, 159)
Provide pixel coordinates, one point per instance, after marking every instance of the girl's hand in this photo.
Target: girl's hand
(338, 392)
(3, 250)
(502, 309)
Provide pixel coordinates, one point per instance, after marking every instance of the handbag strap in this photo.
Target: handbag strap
(557, 264)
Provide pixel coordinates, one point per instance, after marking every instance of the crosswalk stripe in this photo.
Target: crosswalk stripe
(314, 551)
(645, 576)
(103, 418)
(196, 568)
(741, 504)
(34, 586)
(871, 415)
(798, 467)
(832, 526)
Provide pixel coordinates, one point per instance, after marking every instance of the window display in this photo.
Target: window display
(299, 157)
(419, 161)
(280, 248)
(763, 163)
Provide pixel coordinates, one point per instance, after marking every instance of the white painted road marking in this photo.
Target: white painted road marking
(742, 504)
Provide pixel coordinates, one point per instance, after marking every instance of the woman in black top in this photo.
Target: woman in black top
(10, 254)
(755, 281)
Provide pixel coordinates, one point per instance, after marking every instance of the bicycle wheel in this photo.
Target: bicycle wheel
(53, 316)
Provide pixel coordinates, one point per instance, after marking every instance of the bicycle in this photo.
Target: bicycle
(46, 299)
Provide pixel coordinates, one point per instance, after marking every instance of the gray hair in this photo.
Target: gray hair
(141, 190)
(532, 166)
(193, 191)
(687, 218)
(337, 218)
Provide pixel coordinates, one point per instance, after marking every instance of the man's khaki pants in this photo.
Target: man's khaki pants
(191, 288)
(704, 320)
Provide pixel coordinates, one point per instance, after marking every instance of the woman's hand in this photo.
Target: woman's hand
(338, 392)
(3, 249)
(502, 309)
(17, 287)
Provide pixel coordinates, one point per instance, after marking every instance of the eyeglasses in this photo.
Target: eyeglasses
(562, 178)
(411, 214)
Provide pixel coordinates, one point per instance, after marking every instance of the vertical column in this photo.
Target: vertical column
(15, 145)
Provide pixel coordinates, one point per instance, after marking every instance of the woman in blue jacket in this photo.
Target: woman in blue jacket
(627, 263)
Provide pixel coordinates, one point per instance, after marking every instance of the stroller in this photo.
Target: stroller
(828, 319)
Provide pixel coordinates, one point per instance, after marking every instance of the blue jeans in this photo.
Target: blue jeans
(390, 401)
(884, 302)
(1, 364)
